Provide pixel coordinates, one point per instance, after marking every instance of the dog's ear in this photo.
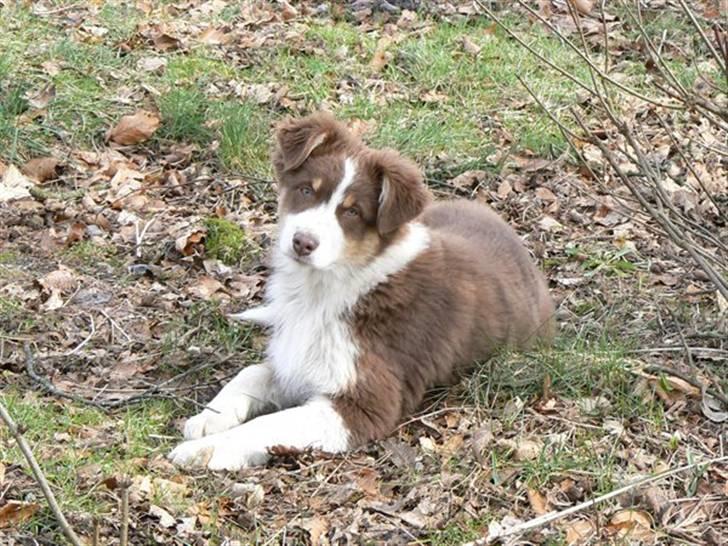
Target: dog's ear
(299, 138)
(403, 195)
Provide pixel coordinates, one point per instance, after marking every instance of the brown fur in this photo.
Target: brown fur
(473, 291)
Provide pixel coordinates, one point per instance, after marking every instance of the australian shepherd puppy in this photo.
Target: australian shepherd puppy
(376, 295)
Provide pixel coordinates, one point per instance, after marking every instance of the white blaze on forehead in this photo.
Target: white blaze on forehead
(321, 223)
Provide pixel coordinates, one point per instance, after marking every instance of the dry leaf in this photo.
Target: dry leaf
(185, 244)
(14, 185)
(470, 47)
(76, 232)
(504, 189)
(15, 512)
(584, 7)
(41, 168)
(368, 481)
(527, 450)
(205, 287)
(538, 502)
(468, 179)
(635, 524)
(214, 36)
(61, 280)
(317, 527)
(579, 532)
(166, 519)
(381, 56)
(134, 128)
(165, 42)
(43, 98)
(713, 409)
(548, 223)
(545, 194)
(151, 64)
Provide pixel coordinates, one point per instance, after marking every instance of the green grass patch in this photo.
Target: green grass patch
(225, 241)
(184, 114)
(78, 446)
(243, 137)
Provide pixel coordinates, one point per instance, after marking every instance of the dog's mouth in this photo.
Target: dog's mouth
(303, 260)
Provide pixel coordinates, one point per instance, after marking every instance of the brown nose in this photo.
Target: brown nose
(304, 244)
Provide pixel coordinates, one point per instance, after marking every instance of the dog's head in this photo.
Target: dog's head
(339, 201)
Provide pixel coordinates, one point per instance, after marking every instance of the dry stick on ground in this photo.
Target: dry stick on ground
(152, 392)
(553, 516)
(39, 476)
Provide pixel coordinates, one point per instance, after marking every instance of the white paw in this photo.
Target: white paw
(260, 315)
(227, 414)
(223, 454)
(194, 453)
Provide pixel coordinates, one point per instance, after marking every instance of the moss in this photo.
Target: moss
(225, 241)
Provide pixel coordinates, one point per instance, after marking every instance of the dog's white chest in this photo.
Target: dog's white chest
(312, 350)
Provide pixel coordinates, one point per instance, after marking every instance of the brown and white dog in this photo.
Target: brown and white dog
(375, 296)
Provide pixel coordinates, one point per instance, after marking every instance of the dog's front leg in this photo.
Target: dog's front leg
(251, 392)
(316, 424)
(262, 315)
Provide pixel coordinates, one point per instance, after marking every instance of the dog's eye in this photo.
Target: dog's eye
(306, 191)
(351, 212)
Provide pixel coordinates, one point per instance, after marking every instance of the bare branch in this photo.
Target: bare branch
(554, 516)
(721, 62)
(39, 477)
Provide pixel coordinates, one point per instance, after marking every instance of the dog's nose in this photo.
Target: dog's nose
(304, 244)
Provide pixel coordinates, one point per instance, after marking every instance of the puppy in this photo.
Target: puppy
(376, 295)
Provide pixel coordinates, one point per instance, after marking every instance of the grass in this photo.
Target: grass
(184, 113)
(448, 109)
(76, 443)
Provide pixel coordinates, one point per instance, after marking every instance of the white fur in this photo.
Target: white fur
(312, 350)
(247, 395)
(262, 315)
(316, 424)
(321, 223)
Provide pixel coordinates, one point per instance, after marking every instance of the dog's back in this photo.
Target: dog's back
(514, 297)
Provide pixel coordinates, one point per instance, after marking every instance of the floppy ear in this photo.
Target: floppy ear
(403, 196)
(300, 138)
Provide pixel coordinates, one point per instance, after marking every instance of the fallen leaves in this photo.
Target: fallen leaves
(631, 524)
(16, 512)
(134, 128)
(41, 168)
(14, 185)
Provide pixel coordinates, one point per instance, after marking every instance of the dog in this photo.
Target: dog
(376, 295)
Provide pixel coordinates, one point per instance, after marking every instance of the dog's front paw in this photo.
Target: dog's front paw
(194, 453)
(262, 315)
(223, 454)
(211, 422)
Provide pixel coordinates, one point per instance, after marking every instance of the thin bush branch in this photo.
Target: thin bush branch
(589, 62)
(721, 62)
(554, 516)
(39, 476)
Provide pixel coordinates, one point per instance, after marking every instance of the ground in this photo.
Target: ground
(124, 251)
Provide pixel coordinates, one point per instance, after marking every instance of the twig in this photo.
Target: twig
(115, 325)
(553, 516)
(46, 384)
(588, 61)
(125, 483)
(85, 341)
(721, 62)
(140, 236)
(533, 52)
(153, 391)
(656, 368)
(668, 226)
(39, 476)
